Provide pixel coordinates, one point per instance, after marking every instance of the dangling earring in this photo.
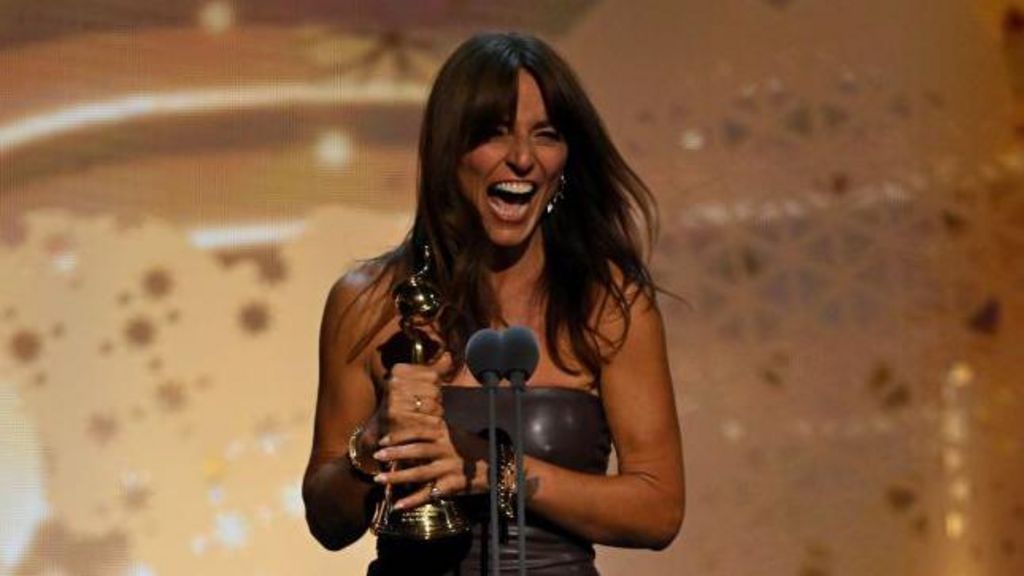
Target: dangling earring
(559, 194)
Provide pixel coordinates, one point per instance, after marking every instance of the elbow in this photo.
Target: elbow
(652, 522)
(656, 530)
(333, 537)
(665, 524)
(666, 529)
(327, 525)
(327, 540)
(331, 540)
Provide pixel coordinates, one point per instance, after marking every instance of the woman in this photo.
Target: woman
(532, 218)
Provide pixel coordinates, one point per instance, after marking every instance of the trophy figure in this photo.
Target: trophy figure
(418, 303)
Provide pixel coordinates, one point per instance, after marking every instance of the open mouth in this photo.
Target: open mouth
(513, 192)
(509, 200)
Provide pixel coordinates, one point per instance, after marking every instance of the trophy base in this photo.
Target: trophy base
(430, 521)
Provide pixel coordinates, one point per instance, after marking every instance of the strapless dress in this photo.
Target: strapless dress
(563, 426)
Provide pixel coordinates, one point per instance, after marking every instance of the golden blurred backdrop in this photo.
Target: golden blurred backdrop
(841, 188)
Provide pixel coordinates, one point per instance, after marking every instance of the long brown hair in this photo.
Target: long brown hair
(594, 241)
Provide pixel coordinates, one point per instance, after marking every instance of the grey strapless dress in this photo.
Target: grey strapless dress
(562, 426)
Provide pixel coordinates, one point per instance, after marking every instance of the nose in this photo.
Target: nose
(520, 156)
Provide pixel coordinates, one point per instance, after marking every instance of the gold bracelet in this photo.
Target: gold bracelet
(353, 453)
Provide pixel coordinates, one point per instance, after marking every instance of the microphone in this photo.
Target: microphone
(520, 357)
(484, 358)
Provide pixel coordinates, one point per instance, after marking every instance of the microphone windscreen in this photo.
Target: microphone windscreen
(521, 353)
(483, 356)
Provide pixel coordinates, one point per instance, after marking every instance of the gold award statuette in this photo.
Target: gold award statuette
(418, 304)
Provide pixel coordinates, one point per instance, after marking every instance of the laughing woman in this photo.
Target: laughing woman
(529, 216)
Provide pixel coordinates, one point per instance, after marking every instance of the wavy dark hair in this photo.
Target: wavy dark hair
(595, 242)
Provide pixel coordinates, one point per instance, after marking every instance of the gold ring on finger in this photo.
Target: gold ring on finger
(435, 492)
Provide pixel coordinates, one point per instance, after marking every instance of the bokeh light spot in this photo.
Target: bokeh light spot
(217, 17)
(140, 332)
(157, 283)
(334, 150)
(171, 396)
(254, 317)
(25, 346)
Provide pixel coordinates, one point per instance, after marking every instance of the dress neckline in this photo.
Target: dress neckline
(534, 389)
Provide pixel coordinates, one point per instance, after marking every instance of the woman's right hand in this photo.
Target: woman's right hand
(410, 401)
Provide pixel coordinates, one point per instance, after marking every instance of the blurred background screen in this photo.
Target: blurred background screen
(841, 187)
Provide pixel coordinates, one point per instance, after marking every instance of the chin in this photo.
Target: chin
(507, 240)
(511, 237)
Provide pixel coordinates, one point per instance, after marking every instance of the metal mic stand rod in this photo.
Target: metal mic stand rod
(519, 386)
(521, 357)
(492, 471)
(484, 358)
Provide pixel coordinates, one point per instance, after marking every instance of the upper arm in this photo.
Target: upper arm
(345, 394)
(636, 388)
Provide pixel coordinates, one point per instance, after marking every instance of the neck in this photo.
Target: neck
(516, 271)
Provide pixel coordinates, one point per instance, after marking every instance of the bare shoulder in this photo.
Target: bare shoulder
(626, 310)
(355, 304)
(357, 284)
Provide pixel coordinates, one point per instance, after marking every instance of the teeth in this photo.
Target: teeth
(514, 187)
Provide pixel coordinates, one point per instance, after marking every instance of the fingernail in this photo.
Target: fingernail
(380, 455)
(385, 441)
(398, 506)
(380, 479)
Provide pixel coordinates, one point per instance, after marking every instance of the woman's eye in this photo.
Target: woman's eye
(490, 134)
(553, 135)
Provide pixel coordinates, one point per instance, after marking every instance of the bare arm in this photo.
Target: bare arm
(339, 500)
(643, 505)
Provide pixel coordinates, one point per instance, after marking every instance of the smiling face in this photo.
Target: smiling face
(510, 176)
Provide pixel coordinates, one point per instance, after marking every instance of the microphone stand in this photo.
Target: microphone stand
(484, 357)
(521, 355)
(518, 380)
(513, 354)
(492, 468)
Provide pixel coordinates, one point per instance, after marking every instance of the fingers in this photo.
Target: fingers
(412, 408)
(406, 402)
(422, 373)
(427, 373)
(427, 493)
(412, 427)
(416, 451)
(437, 480)
(410, 404)
(413, 474)
(412, 388)
(443, 363)
(426, 429)
(450, 468)
(427, 405)
(414, 380)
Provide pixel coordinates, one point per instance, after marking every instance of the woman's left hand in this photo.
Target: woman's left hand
(445, 466)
